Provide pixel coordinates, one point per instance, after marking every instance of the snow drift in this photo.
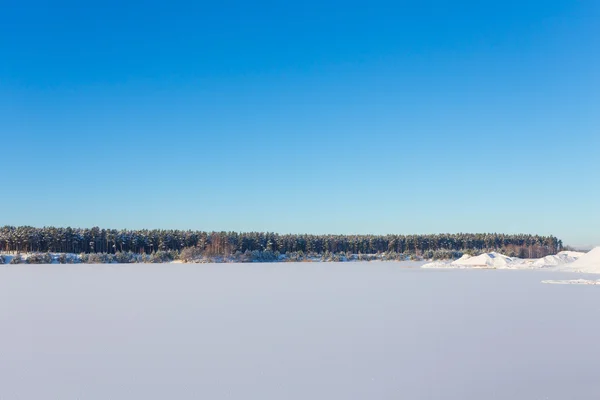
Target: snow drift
(486, 260)
(500, 261)
(564, 257)
(573, 282)
(587, 263)
(448, 263)
(574, 254)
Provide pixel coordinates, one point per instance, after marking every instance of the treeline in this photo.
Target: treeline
(210, 244)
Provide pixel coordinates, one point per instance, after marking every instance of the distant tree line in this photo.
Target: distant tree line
(113, 241)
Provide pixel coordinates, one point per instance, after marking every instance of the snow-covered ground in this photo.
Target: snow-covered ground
(55, 258)
(294, 331)
(565, 260)
(573, 282)
(587, 263)
(91, 258)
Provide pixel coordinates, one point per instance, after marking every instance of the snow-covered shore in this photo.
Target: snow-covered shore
(174, 257)
(567, 261)
(573, 282)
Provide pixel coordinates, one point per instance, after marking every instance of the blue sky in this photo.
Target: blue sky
(318, 116)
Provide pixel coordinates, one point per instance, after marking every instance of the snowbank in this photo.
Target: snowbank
(587, 263)
(446, 263)
(486, 260)
(574, 282)
(438, 264)
(564, 257)
(500, 261)
(574, 254)
(463, 258)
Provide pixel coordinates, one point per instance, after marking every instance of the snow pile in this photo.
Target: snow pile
(438, 264)
(587, 263)
(486, 260)
(574, 254)
(447, 263)
(564, 257)
(574, 282)
(463, 258)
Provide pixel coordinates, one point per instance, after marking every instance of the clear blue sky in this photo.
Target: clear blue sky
(312, 116)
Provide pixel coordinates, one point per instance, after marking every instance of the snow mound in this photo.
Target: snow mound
(574, 254)
(565, 260)
(574, 282)
(463, 258)
(587, 263)
(486, 260)
(447, 263)
(558, 259)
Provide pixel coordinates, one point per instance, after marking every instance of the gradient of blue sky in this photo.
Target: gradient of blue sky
(314, 116)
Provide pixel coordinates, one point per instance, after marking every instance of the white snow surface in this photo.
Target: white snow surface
(558, 259)
(573, 282)
(463, 258)
(574, 254)
(500, 261)
(439, 264)
(587, 263)
(448, 263)
(294, 331)
(486, 260)
(494, 260)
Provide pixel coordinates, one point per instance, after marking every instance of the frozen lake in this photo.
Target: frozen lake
(295, 331)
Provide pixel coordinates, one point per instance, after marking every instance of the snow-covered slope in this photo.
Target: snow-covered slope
(588, 263)
(573, 282)
(460, 260)
(497, 260)
(486, 260)
(439, 264)
(574, 254)
(564, 257)
(447, 263)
